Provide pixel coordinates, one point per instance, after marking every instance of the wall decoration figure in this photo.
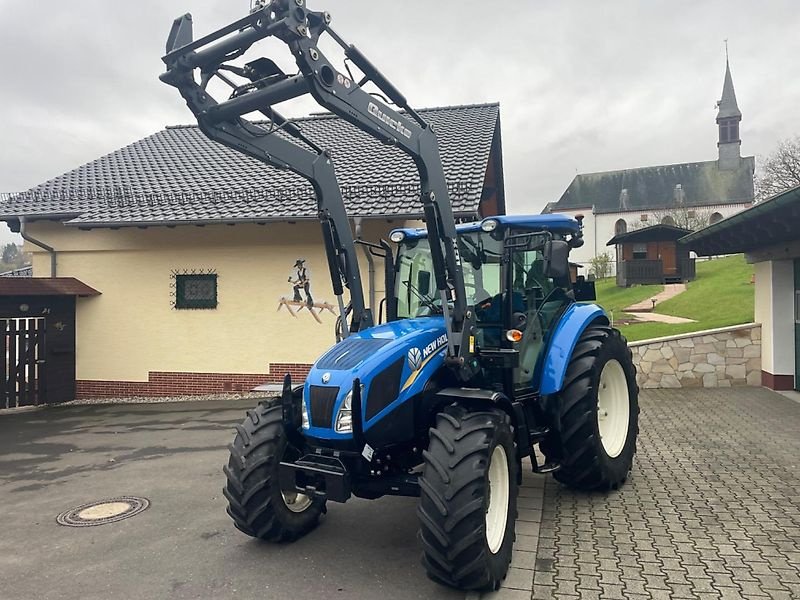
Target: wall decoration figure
(300, 280)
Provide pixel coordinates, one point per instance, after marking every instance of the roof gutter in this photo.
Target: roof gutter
(49, 249)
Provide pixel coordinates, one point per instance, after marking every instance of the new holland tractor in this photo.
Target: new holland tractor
(486, 352)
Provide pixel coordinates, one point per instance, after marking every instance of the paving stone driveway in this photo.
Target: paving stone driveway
(712, 509)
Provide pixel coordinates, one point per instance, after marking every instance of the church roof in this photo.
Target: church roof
(727, 104)
(655, 188)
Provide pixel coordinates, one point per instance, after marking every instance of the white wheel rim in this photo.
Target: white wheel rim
(613, 408)
(295, 502)
(497, 509)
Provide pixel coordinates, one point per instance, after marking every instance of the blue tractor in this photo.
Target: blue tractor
(486, 351)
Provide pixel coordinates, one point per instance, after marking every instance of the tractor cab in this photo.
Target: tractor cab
(516, 274)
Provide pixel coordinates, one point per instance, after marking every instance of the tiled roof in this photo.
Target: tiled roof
(178, 175)
(654, 188)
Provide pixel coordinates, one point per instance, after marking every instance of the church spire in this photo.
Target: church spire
(727, 105)
(728, 118)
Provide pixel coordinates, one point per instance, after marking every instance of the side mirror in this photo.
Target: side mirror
(556, 259)
(424, 283)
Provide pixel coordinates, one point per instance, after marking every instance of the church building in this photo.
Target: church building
(687, 195)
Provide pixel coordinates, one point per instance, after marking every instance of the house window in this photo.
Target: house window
(196, 291)
(668, 220)
(643, 218)
(639, 251)
(715, 218)
(620, 227)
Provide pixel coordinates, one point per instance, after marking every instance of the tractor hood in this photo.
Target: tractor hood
(393, 361)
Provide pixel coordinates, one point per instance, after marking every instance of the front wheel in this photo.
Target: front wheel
(468, 501)
(256, 502)
(598, 410)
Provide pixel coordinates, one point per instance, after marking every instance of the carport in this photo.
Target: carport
(769, 236)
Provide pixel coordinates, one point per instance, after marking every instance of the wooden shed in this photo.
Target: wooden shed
(652, 255)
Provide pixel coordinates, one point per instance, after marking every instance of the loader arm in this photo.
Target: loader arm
(301, 29)
(303, 157)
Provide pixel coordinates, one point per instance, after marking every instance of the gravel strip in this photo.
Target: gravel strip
(165, 399)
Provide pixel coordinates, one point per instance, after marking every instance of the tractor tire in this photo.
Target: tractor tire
(598, 409)
(256, 503)
(468, 500)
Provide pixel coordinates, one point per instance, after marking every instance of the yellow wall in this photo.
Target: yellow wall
(132, 329)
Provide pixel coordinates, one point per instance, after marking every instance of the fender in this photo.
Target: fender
(515, 410)
(572, 324)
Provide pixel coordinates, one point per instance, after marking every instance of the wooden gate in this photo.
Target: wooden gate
(37, 339)
(22, 346)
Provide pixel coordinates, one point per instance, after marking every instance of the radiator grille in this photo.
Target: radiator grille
(322, 402)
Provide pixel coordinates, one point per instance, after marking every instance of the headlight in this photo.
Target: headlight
(304, 411)
(489, 225)
(344, 419)
(397, 236)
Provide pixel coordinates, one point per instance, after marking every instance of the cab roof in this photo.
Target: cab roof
(557, 223)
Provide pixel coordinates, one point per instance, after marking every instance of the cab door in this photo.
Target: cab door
(541, 301)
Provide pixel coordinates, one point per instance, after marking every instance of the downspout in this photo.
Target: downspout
(49, 249)
(370, 262)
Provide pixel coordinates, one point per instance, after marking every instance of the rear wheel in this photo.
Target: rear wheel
(599, 413)
(468, 502)
(256, 502)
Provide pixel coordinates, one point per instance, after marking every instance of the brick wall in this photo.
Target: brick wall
(161, 383)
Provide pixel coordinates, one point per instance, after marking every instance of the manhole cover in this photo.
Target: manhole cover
(103, 511)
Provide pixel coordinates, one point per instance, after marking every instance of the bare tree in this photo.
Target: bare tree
(780, 170)
(685, 217)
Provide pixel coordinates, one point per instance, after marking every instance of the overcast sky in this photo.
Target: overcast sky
(583, 85)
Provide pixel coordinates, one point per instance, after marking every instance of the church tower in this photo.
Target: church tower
(728, 118)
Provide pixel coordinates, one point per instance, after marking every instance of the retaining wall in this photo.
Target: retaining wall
(714, 358)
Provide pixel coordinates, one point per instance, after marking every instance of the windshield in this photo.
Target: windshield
(417, 295)
(535, 302)
(481, 255)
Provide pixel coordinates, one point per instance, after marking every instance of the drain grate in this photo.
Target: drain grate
(103, 511)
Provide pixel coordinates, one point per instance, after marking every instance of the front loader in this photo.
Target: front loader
(487, 351)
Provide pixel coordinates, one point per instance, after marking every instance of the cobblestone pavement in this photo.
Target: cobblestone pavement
(712, 509)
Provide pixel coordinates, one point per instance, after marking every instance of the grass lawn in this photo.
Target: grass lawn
(614, 298)
(722, 295)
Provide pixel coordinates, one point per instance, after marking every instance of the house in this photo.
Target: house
(652, 255)
(688, 195)
(769, 236)
(210, 265)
